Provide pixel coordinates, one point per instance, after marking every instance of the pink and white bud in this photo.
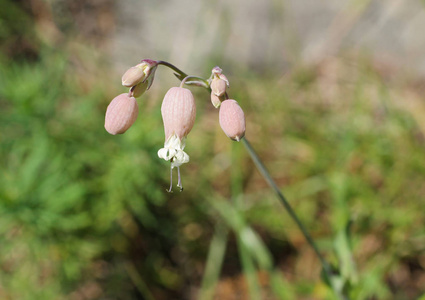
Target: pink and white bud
(139, 73)
(121, 114)
(133, 76)
(232, 119)
(217, 73)
(218, 87)
(178, 114)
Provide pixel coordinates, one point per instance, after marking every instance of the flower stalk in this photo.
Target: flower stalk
(282, 199)
(198, 81)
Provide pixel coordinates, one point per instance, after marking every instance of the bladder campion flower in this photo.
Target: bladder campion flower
(178, 114)
(232, 119)
(121, 114)
(178, 109)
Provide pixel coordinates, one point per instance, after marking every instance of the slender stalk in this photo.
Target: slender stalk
(187, 78)
(260, 166)
(198, 81)
(171, 181)
(173, 67)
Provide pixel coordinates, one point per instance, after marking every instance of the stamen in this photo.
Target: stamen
(171, 180)
(179, 182)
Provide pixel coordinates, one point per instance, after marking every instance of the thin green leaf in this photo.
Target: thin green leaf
(214, 262)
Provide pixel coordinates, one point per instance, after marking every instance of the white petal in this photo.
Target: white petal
(162, 153)
(171, 153)
(179, 157)
(186, 157)
(173, 150)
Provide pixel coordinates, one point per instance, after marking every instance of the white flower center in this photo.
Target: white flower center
(173, 151)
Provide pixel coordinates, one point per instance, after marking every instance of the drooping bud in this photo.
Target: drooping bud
(121, 114)
(218, 87)
(232, 119)
(217, 72)
(133, 76)
(140, 73)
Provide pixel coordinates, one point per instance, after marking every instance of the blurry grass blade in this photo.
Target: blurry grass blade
(345, 256)
(281, 287)
(249, 271)
(214, 262)
(230, 215)
(138, 281)
(338, 186)
(30, 170)
(247, 236)
(256, 248)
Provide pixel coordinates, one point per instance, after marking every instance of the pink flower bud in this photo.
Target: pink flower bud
(133, 76)
(217, 74)
(232, 119)
(139, 73)
(121, 114)
(218, 87)
(178, 112)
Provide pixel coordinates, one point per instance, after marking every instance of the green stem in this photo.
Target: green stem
(185, 80)
(260, 166)
(173, 67)
(198, 81)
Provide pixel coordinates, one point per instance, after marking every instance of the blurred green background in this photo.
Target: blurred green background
(85, 215)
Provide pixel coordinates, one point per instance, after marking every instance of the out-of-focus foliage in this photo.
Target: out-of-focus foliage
(85, 215)
(17, 36)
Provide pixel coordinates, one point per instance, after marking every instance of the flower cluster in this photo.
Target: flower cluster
(178, 109)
